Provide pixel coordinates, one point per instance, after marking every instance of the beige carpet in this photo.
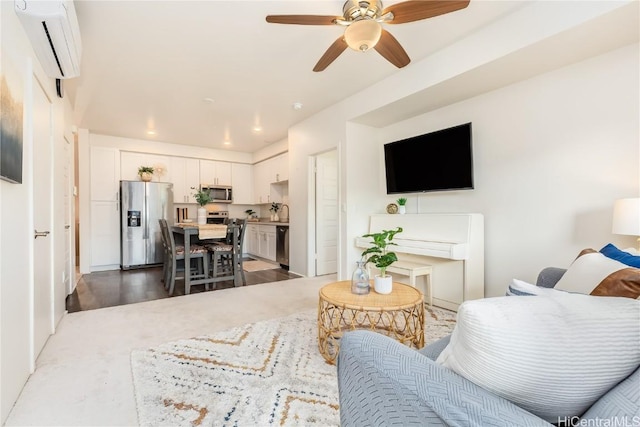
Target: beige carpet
(258, 265)
(83, 376)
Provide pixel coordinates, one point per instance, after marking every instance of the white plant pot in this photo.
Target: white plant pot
(202, 216)
(383, 285)
(146, 176)
(402, 209)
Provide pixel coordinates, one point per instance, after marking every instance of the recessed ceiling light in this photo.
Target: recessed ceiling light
(227, 142)
(297, 105)
(151, 132)
(257, 128)
(208, 100)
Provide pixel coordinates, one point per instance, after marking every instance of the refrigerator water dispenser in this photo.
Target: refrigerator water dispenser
(133, 218)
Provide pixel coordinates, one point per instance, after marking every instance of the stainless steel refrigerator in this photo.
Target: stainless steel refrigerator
(142, 205)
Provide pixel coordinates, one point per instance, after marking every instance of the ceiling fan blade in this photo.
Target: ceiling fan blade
(331, 54)
(391, 50)
(302, 19)
(416, 10)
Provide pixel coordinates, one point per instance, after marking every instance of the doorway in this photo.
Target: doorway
(326, 212)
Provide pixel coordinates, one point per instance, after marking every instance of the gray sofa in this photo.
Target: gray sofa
(382, 382)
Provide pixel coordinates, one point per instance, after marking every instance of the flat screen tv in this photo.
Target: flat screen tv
(436, 161)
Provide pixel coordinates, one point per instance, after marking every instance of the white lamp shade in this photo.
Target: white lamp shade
(626, 217)
(363, 35)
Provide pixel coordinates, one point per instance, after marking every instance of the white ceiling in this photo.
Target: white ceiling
(150, 65)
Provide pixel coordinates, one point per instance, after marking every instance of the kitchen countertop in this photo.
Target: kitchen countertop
(267, 223)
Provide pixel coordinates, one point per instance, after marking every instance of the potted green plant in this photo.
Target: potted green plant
(275, 207)
(145, 173)
(379, 255)
(202, 198)
(402, 205)
(250, 213)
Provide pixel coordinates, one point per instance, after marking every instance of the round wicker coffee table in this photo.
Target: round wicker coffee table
(399, 315)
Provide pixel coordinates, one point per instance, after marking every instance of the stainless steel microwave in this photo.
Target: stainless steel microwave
(219, 193)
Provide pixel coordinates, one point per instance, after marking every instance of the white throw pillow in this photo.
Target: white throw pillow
(552, 356)
(592, 269)
(521, 288)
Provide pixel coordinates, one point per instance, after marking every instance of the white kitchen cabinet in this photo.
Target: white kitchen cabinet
(105, 208)
(105, 173)
(261, 183)
(267, 242)
(185, 175)
(251, 240)
(242, 183)
(215, 173)
(105, 234)
(268, 172)
(130, 162)
(280, 170)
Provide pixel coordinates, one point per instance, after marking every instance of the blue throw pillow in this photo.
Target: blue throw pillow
(610, 251)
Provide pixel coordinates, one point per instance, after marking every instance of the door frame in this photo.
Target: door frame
(312, 267)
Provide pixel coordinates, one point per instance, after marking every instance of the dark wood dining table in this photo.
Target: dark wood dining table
(190, 233)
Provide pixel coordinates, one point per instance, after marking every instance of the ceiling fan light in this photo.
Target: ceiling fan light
(362, 35)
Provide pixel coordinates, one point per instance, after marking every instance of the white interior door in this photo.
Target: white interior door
(327, 213)
(68, 278)
(42, 218)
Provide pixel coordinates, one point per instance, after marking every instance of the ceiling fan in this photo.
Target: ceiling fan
(363, 20)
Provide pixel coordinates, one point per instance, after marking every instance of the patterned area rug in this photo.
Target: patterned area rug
(265, 373)
(258, 265)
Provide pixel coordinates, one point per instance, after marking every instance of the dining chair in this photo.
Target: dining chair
(225, 259)
(175, 253)
(164, 232)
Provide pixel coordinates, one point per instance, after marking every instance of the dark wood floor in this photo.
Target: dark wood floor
(116, 287)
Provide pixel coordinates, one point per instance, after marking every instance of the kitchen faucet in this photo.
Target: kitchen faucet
(283, 217)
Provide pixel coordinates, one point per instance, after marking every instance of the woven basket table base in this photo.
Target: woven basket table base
(399, 315)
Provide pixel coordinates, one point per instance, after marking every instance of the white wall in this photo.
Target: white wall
(311, 138)
(16, 227)
(551, 154)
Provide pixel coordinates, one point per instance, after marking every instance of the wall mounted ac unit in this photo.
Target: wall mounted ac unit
(52, 27)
